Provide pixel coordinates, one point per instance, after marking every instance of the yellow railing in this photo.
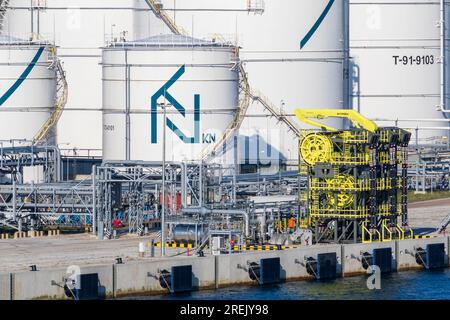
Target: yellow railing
(61, 100)
(366, 232)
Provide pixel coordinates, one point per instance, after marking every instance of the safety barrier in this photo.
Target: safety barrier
(174, 244)
(425, 237)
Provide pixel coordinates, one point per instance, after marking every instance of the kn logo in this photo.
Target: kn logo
(317, 24)
(205, 138)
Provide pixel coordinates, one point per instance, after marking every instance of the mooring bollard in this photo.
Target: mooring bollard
(152, 248)
(141, 249)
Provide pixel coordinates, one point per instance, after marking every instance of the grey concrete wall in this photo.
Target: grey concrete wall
(292, 263)
(37, 285)
(5, 286)
(132, 278)
(352, 256)
(406, 249)
(105, 278)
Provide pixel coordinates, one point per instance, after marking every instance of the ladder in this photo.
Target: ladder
(157, 8)
(3, 7)
(62, 91)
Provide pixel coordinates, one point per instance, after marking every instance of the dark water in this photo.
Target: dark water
(414, 285)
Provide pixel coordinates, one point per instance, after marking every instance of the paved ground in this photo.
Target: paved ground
(427, 215)
(84, 249)
(61, 251)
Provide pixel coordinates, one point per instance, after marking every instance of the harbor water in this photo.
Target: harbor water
(410, 285)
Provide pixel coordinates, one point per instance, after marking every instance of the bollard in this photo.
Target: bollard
(141, 249)
(57, 232)
(16, 235)
(152, 248)
(188, 252)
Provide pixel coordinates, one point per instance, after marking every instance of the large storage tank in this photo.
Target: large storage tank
(396, 67)
(293, 52)
(196, 79)
(79, 28)
(27, 88)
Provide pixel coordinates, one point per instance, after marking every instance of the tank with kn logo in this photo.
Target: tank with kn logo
(195, 81)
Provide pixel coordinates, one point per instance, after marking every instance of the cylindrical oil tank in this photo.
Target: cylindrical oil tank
(186, 232)
(396, 65)
(27, 87)
(294, 54)
(193, 80)
(79, 29)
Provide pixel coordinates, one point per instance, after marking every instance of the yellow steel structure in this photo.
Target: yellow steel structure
(353, 177)
(356, 118)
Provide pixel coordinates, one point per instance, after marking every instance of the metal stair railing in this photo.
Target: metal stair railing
(156, 7)
(238, 120)
(60, 102)
(274, 111)
(444, 224)
(3, 7)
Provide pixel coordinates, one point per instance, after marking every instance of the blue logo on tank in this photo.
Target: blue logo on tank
(163, 92)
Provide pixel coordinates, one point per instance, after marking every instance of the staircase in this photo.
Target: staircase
(211, 151)
(157, 9)
(3, 7)
(274, 111)
(60, 101)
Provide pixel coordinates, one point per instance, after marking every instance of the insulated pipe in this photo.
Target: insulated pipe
(204, 211)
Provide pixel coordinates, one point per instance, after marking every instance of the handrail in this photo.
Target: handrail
(384, 227)
(159, 13)
(238, 119)
(3, 8)
(62, 92)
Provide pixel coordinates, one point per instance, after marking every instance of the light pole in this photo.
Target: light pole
(163, 188)
(112, 32)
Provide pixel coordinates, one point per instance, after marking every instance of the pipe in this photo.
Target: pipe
(204, 211)
(443, 59)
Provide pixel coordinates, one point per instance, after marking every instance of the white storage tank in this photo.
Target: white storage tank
(79, 29)
(396, 65)
(195, 79)
(293, 52)
(27, 87)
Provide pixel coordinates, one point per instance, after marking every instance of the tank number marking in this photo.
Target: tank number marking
(414, 60)
(108, 127)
